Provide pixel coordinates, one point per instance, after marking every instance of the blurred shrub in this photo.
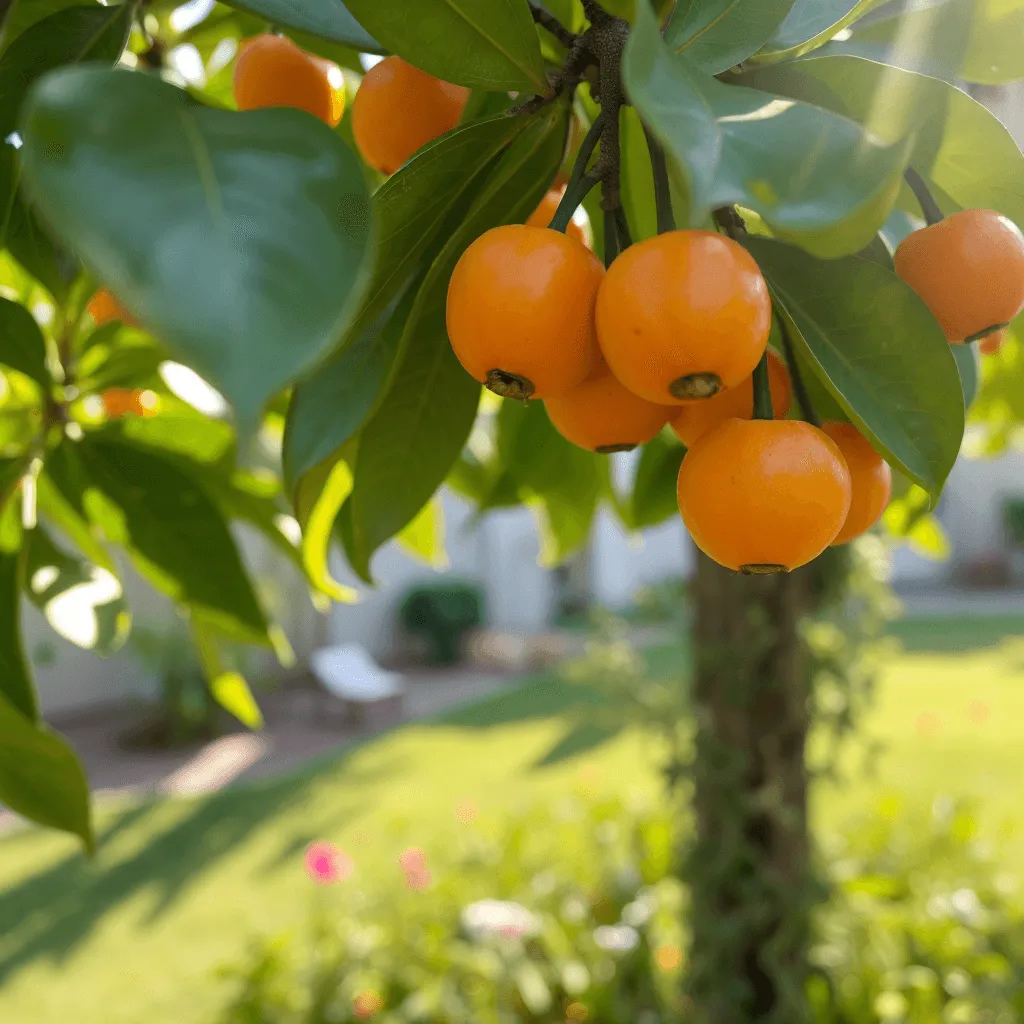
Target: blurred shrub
(440, 613)
(571, 914)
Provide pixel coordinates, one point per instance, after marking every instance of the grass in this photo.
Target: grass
(178, 885)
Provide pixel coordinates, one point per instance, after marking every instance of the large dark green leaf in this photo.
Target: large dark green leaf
(242, 240)
(814, 177)
(488, 43)
(716, 34)
(653, 498)
(41, 778)
(175, 534)
(880, 352)
(83, 603)
(15, 678)
(327, 19)
(810, 23)
(413, 206)
(959, 145)
(59, 493)
(967, 362)
(34, 248)
(21, 342)
(407, 448)
(994, 52)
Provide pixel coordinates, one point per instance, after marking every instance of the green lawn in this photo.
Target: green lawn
(178, 886)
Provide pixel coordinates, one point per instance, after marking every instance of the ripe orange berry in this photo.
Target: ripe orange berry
(521, 311)
(992, 343)
(399, 109)
(870, 480)
(600, 414)
(763, 496)
(579, 226)
(697, 418)
(104, 308)
(683, 315)
(969, 269)
(272, 71)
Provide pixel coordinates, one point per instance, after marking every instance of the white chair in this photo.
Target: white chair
(350, 675)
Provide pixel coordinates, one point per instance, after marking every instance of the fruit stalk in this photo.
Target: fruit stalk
(762, 393)
(662, 190)
(548, 21)
(581, 181)
(807, 410)
(924, 197)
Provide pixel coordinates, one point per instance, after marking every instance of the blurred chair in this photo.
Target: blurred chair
(366, 692)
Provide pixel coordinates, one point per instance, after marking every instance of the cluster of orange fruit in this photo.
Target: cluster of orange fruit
(671, 333)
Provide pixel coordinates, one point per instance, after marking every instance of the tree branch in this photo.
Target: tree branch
(548, 21)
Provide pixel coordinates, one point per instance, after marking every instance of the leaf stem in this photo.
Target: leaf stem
(762, 392)
(611, 238)
(548, 21)
(662, 189)
(932, 213)
(799, 385)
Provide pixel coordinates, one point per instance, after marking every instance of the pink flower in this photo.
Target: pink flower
(413, 859)
(326, 864)
(418, 879)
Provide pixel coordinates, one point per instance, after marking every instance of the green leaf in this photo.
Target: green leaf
(83, 603)
(423, 538)
(67, 513)
(879, 351)
(488, 43)
(173, 532)
(994, 51)
(406, 450)
(637, 193)
(229, 688)
(809, 24)
(16, 686)
(716, 34)
(22, 346)
(960, 146)
(669, 96)
(326, 19)
(967, 363)
(41, 778)
(266, 212)
(653, 497)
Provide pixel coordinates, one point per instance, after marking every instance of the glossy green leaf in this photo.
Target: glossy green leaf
(668, 94)
(716, 34)
(967, 363)
(83, 603)
(266, 213)
(173, 532)
(878, 350)
(22, 346)
(809, 24)
(326, 19)
(16, 686)
(29, 242)
(228, 687)
(406, 450)
(59, 493)
(960, 146)
(23, 14)
(994, 52)
(41, 778)
(423, 538)
(488, 43)
(653, 496)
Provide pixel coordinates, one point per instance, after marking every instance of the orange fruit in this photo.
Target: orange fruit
(992, 343)
(968, 269)
(520, 311)
(399, 109)
(697, 418)
(272, 71)
(683, 315)
(104, 308)
(579, 226)
(600, 414)
(762, 496)
(870, 480)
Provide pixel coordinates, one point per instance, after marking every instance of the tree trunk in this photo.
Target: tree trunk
(749, 865)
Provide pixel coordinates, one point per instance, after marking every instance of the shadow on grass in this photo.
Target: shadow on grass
(49, 913)
(960, 634)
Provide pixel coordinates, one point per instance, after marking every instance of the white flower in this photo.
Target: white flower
(616, 938)
(504, 918)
